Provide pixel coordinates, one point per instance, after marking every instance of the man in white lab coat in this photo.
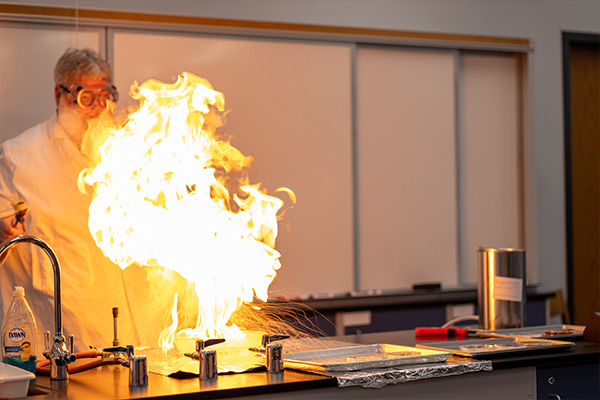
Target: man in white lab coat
(41, 167)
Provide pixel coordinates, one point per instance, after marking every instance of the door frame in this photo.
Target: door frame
(570, 39)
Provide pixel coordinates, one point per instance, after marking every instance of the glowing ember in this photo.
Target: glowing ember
(164, 167)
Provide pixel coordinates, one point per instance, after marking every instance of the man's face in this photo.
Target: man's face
(75, 111)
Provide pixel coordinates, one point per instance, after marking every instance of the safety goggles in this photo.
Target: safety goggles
(86, 97)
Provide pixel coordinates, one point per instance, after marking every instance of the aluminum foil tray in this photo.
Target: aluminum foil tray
(484, 348)
(558, 332)
(357, 358)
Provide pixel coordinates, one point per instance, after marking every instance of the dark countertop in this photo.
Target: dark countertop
(112, 381)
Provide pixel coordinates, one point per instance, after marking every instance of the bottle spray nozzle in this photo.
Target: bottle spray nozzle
(19, 292)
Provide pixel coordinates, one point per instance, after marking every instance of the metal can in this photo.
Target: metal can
(501, 288)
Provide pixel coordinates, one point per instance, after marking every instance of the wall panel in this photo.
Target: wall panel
(406, 168)
(491, 174)
(28, 54)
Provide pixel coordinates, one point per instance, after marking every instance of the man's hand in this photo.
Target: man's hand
(10, 227)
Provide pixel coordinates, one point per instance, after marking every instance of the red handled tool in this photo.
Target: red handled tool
(441, 332)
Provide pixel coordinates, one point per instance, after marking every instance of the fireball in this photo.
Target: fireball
(165, 170)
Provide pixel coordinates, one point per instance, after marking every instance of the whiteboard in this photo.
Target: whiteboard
(406, 168)
(491, 174)
(290, 109)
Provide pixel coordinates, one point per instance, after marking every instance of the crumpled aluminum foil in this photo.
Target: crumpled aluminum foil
(379, 378)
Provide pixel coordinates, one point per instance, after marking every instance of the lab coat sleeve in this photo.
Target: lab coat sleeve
(9, 195)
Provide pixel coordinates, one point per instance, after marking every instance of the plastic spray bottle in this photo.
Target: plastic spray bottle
(18, 333)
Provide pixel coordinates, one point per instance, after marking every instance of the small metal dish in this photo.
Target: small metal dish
(497, 346)
(558, 332)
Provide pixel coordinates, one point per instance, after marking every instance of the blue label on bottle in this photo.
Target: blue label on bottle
(16, 335)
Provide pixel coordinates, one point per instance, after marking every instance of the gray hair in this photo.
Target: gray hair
(80, 64)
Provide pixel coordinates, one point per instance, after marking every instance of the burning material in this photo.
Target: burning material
(166, 168)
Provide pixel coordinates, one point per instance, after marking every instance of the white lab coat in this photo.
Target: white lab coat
(41, 166)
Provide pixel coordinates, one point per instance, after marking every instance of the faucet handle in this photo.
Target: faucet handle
(115, 349)
(127, 350)
(266, 339)
(71, 343)
(47, 342)
(202, 344)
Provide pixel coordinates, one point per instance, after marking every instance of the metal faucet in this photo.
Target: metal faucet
(207, 358)
(274, 352)
(59, 355)
(138, 366)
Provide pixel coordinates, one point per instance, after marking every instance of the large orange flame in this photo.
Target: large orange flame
(163, 168)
